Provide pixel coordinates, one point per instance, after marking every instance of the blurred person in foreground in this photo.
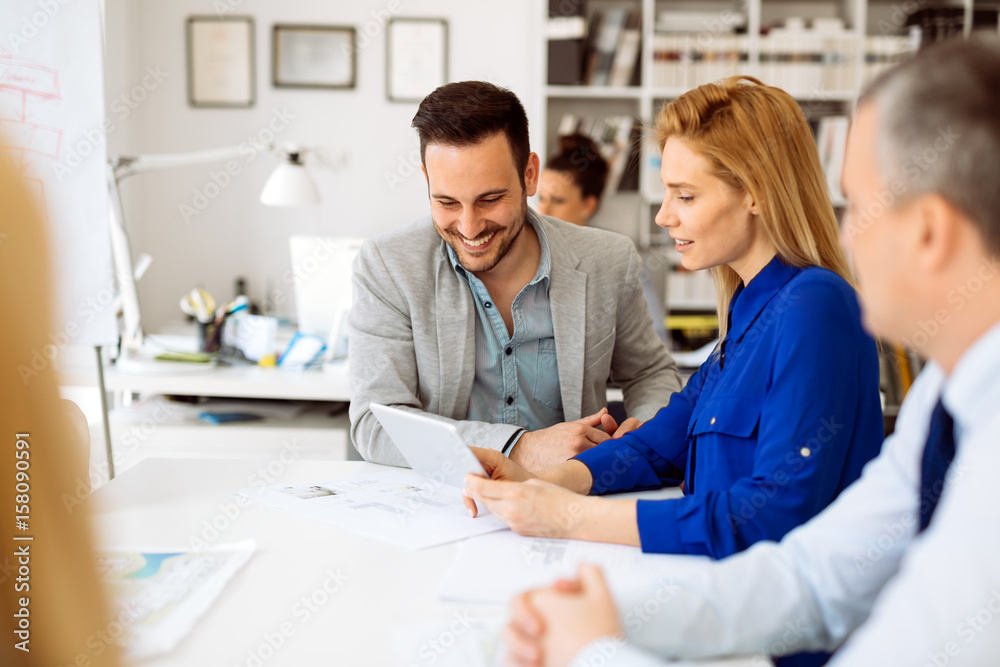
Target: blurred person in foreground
(53, 575)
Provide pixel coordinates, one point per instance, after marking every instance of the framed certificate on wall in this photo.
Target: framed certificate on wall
(220, 61)
(313, 56)
(416, 58)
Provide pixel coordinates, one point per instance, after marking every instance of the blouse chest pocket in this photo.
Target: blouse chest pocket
(733, 416)
(724, 442)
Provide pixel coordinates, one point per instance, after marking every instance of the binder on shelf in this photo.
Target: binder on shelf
(623, 67)
(608, 33)
(831, 140)
(567, 44)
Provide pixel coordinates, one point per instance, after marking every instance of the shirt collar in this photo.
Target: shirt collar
(749, 300)
(969, 392)
(544, 261)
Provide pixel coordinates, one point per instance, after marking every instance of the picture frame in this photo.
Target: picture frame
(313, 56)
(416, 58)
(220, 61)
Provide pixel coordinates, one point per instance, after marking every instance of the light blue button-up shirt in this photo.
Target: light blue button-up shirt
(517, 376)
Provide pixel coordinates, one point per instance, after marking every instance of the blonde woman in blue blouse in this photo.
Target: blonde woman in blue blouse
(786, 412)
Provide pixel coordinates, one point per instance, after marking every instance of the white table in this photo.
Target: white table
(165, 503)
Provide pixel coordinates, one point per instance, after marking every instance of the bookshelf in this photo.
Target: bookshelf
(822, 52)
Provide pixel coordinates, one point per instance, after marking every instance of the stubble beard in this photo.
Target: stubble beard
(488, 262)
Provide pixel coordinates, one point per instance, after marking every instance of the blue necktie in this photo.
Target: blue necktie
(938, 454)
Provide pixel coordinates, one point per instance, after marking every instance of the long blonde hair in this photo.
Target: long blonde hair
(758, 141)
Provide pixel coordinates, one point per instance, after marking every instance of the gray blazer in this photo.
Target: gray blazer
(412, 340)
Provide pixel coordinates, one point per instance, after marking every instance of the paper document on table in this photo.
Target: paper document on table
(494, 568)
(157, 596)
(397, 506)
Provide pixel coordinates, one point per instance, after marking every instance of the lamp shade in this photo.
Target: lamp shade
(290, 185)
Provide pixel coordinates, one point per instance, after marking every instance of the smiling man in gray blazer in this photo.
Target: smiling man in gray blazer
(507, 322)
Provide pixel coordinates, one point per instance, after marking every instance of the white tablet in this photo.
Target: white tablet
(432, 447)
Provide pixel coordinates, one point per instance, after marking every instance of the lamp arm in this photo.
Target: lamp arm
(127, 165)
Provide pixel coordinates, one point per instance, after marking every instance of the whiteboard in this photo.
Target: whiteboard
(52, 126)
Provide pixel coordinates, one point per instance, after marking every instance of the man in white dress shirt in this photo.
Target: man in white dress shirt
(904, 567)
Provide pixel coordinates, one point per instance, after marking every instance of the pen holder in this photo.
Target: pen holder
(208, 339)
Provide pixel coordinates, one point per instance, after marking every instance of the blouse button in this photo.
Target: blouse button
(805, 452)
(711, 421)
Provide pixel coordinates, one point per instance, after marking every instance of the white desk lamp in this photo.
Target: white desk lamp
(289, 185)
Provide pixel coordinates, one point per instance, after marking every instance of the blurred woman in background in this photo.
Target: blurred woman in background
(570, 188)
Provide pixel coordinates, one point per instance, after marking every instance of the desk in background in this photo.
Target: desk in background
(316, 433)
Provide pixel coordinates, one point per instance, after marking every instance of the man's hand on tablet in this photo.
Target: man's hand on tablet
(544, 448)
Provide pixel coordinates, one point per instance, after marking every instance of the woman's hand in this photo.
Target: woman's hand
(498, 467)
(532, 507)
(551, 625)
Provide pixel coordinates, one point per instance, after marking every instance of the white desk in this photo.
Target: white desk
(316, 434)
(164, 503)
(239, 381)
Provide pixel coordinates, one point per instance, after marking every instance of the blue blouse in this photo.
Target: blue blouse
(773, 426)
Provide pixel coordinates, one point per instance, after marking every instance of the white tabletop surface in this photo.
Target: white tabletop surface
(168, 503)
(328, 383)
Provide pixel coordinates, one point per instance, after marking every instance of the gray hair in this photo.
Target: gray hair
(939, 128)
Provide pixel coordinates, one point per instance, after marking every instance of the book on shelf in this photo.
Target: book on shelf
(709, 22)
(681, 60)
(617, 139)
(883, 52)
(806, 58)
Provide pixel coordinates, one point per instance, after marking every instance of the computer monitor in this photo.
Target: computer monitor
(321, 276)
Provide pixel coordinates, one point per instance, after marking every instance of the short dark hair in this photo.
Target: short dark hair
(939, 127)
(467, 112)
(580, 159)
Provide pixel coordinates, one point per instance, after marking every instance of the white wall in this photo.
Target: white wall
(235, 235)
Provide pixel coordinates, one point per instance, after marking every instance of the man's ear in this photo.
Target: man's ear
(938, 229)
(590, 203)
(531, 173)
